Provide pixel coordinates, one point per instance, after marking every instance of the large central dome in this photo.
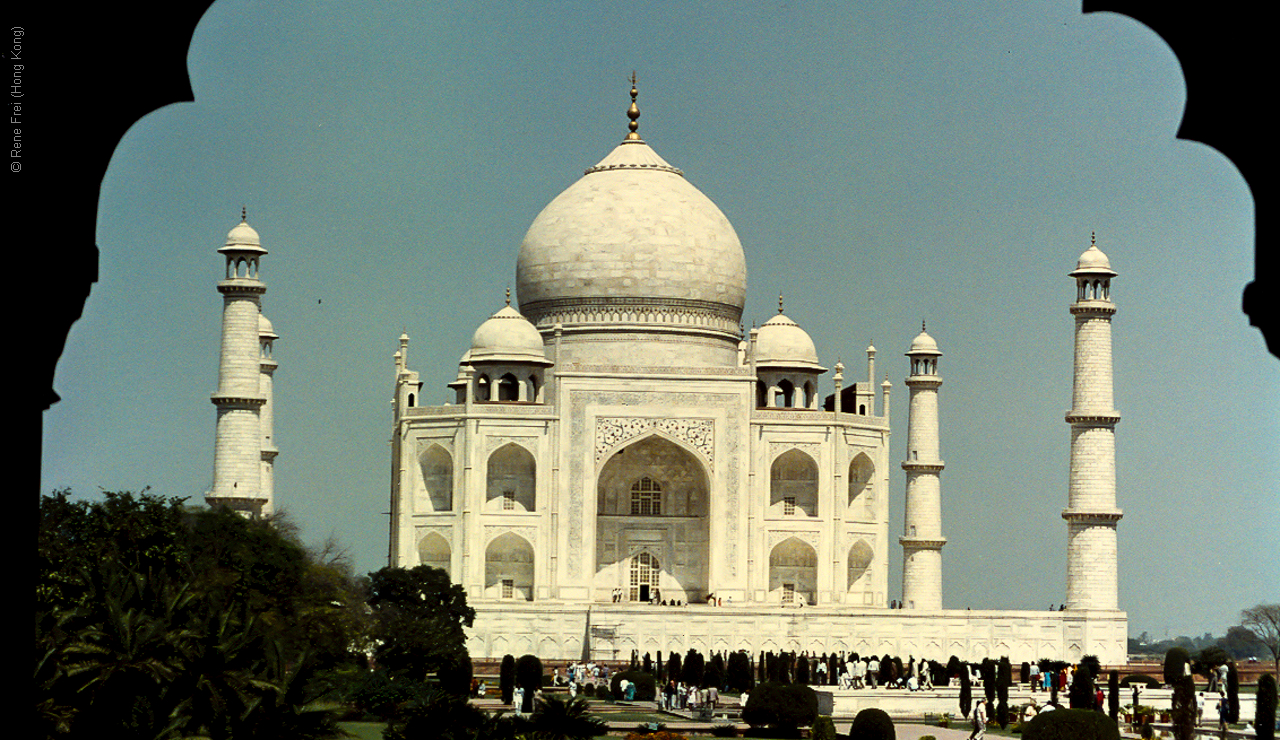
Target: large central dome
(633, 245)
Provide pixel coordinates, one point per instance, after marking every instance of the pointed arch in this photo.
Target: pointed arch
(862, 498)
(508, 568)
(435, 465)
(508, 388)
(511, 480)
(793, 572)
(434, 550)
(784, 397)
(859, 565)
(653, 494)
(793, 485)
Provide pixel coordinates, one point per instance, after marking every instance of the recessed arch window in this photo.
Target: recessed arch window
(646, 497)
(793, 484)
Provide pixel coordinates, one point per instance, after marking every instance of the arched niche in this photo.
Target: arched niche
(861, 487)
(434, 550)
(653, 495)
(436, 493)
(859, 565)
(793, 485)
(508, 568)
(793, 572)
(511, 480)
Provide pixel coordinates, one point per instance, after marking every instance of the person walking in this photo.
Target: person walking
(979, 720)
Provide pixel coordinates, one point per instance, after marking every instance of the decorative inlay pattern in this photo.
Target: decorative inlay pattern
(807, 536)
(697, 433)
(530, 444)
(529, 533)
(809, 448)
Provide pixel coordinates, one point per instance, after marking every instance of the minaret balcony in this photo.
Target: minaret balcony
(1093, 418)
(241, 286)
(922, 543)
(237, 401)
(926, 466)
(1093, 308)
(1093, 517)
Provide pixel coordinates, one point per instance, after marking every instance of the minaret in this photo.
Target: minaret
(243, 450)
(1091, 512)
(922, 538)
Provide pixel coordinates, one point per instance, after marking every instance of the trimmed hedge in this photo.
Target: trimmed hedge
(1139, 678)
(646, 685)
(1071, 724)
(781, 705)
(872, 724)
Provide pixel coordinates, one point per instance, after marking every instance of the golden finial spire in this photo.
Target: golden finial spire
(508, 295)
(244, 215)
(1093, 238)
(633, 112)
(779, 303)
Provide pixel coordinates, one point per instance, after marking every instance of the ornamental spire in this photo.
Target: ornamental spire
(633, 112)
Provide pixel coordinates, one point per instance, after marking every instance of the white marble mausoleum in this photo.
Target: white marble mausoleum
(615, 440)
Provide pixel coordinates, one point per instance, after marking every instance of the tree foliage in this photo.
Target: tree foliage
(1263, 622)
(781, 706)
(418, 621)
(159, 621)
(1265, 710)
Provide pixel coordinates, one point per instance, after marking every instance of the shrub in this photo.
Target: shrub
(1113, 695)
(1183, 713)
(646, 685)
(1081, 692)
(507, 678)
(1265, 717)
(1174, 664)
(1141, 679)
(871, 724)
(729, 730)
(781, 706)
(1071, 724)
(823, 729)
(529, 678)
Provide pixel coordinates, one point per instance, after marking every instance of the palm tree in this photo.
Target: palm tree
(556, 719)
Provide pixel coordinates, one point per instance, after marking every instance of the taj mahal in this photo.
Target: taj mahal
(616, 441)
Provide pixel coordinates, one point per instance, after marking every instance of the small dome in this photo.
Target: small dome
(243, 238)
(781, 342)
(1093, 262)
(923, 344)
(265, 329)
(506, 336)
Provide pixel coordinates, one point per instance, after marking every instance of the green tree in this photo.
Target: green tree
(1264, 720)
(1175, 661)
(507, 678)
(1004, 679)
(529, 678)
(418, 620)
(155, 620)
(1183, 713)
(1080, 695)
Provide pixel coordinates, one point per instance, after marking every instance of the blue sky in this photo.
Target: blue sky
(882, 162)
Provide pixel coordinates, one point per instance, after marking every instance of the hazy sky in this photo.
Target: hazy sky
(882, 162)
